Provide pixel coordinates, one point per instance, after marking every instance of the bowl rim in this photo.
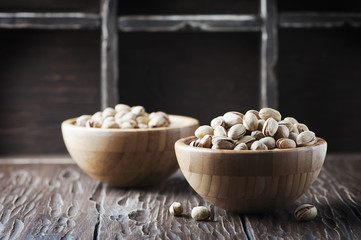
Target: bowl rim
(69, 123)
(184, 143)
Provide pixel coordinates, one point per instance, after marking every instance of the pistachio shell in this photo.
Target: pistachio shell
(206, 141)
(266, 113)
(290, 119)
(194, 143)
(293, 136)
(81, 121)
(305, 212)
(257, 145)
(250, 121)
(128, 116)
(122, 107)
(306, 138)
(236, 131)
(93, 123)
(110, 124)
(301, 127)
(223, 143)
(260, 124)
(218, 121)
(232, 118)
(241, 146)
(269, 142)
(157, 121)
(130, 124)
(142, 120)
(257, 134)
(255, 112)
(203, 130)
(200, 213)
(108, 112)
(138, 110)
(284, 143)
(282, 132)
(220, 132)
(270, 127)
(248, 140)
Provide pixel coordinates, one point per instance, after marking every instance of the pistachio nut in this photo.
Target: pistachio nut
(250, 121)
(98, 115)
(257, 134)
(305, 212)
(282, 132)
(205, 141)
(270, 127)
(223, 143)
(108, 112)
(128, 116)
(301, 127)
(290, 119)
(81, 121)
(241, 146)
(284, 143)
(232, 118)
(93, 123)
(269, 142)
(220, 132)
(142, 126)
(247, 139)
(200, 213)
(157, 121)
(138, 110)
(160, 113)
(257, 145)
(293, 136)
(266, 113)
(194, 143)
(176, 209)
(218, 121)
(306, 138)
(260, 124)
(236, 131)
(203, 130)
(142, 120)
(121, 107)
(255, 112)
(110, 124)
(130, 124)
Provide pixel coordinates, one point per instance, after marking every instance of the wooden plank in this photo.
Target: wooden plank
(47, 202)
(268, 80)
(24, 20)
(109, 53)
(172, 23)
(335, 193)
(143, 214)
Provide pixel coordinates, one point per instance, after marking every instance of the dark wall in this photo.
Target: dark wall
(49, 76)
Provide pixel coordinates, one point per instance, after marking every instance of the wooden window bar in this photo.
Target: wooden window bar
(266, 22)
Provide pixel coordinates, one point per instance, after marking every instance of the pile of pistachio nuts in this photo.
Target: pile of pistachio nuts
(254, 130)
(123, 116)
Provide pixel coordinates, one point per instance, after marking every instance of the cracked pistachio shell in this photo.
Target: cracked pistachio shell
(158, 121)
(206, 141)
(301, 127)
(232, 118)
(108, 112)
(218, 121)
(223, 143)
(122, 107)
(241, 146)
(194, 143)
(266, 113)
(290, 120)
(220, 132)
(248, 140)
(81, 121)
(282, 132)
(138, 110)
(306, 138)
(93, 123)
(257, 145)
(176, 209)
(236, 131)
(257, 134)
(270, 127)
(284, 143)
(269, 142)
(305, 212)
(255, 112)
(203, 130)
(260, 124)
(250, 121)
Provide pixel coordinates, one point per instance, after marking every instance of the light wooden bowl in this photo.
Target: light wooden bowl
(250, 181)
(127, 157)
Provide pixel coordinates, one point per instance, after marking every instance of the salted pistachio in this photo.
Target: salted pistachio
(118, 116)
(257, 145)
(142, 120)
(138, 110)
(81, 121)
(218, 121)
(241, 146)
(128, 116)
(203, 130)
(260, 124)
(130, 124)
(306, 138)
(98, 115)
(248, 140)
(142, 126)
(220, 131)
(108, 112)
(301, 127)
(176, 209)
(255, 112)
(232, 118)
(158, 121)
(305, 212)
(290, 119)
(266, 113)
(284, 143)
(257, 134)
(293, 136)
(223, 143)
(206, 141)
(93, 123)
(110, 124)
(270, 127)
(160, 113)
(200, 213)
(282, 132)
(194, 143)
(121, 107)
(250, 121)
(291, 127)
(236, 131)
(269, 142)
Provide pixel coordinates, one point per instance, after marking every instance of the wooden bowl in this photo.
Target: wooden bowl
(250, 181)
(127, 157)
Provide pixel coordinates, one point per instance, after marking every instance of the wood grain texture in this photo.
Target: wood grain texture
(47, 202)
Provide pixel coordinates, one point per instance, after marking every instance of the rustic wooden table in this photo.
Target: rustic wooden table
(51, 198)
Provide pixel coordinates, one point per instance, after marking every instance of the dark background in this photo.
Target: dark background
(47, 76)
